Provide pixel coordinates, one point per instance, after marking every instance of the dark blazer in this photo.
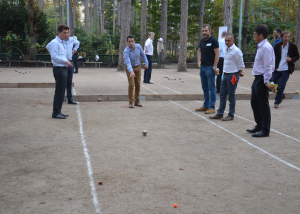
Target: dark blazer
(293, 53)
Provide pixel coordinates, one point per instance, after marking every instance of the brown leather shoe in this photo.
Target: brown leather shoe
(227, 118)
(216, 117)
(210, 111)
(201, 109)
(138, 104)
(131, 105)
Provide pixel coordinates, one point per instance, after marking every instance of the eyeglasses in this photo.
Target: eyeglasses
(255, 34)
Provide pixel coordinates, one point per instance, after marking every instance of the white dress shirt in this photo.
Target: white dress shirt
(71, 44)
(149, 47)
(283, 65)
(233, 60)
(58, 51)
(264, 63)
(222, 47)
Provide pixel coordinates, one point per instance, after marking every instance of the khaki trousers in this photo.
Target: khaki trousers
(134, 82)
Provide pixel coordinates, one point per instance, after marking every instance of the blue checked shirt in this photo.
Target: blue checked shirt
(58, 52)
(132, 57)
(70, 44)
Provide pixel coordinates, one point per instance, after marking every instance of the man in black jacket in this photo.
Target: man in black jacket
(286, 54)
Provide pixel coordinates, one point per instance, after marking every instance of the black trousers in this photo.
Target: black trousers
(260, 104)
(60, 75)
(75, 65)
(148, 71)
(219, 77)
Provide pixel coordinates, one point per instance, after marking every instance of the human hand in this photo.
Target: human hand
(288, 59)
(73, 52)
(146, 51)
(270, 87)
(241, 73)
(216, 71)
(69, 64)
(145, 67)
(132, 75)
(199, 64)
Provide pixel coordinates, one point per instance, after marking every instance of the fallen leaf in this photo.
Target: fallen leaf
(43, 203)
(181, 169)
(100, 183)
(70, 199)
(215, 195)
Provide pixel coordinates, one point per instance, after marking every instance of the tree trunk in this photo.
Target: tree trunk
(132, 15)
(119, 14)
(60, 12)
(228, 15)
(71, 19)
(245, 25)
(74, 15)
(143, 23)
(114, 20)
(95, 20)
(32, 34)
(201, 17)
(43, 5)
(101, 18)
(125, 29)
(183, 36)
(54, 2)
(164, 24)
(63, 11)
(86, 16)
(297, 39)
(91, 14)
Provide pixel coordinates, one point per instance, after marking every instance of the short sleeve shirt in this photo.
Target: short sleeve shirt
(207, 50)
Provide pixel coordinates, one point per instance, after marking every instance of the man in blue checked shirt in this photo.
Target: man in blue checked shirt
(70, 43)
(58, 52)
(131, 57)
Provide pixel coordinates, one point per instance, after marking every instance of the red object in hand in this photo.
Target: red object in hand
(233, 80)
(175, 205)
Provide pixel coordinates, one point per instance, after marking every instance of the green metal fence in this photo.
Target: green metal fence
(43, 57)
(12, 56)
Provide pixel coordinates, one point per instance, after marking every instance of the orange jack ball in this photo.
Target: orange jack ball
(175, 205)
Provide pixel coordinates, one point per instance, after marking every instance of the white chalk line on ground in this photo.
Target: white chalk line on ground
(199, 77)
(88, 160)
(141, 85)
(262, 150)
(167, 87)
(278, 132)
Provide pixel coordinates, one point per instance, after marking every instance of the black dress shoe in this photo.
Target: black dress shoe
(58, 116)
(64, 115)
(71, 102)
(261, 134)
(254, 130)
(76, 72)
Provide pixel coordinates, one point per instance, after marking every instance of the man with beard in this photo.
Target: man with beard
(277, 36)
(208, 52)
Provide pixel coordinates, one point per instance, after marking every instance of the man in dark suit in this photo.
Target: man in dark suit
(286, 54)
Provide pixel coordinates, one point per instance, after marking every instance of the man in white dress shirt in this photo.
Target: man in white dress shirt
(149, 52)
(233, 70)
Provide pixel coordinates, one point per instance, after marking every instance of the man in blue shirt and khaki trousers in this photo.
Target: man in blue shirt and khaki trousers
(58, 50)
(131, 57)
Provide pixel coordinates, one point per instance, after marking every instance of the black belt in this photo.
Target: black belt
(230, 73)
(70, 60)
(59, 66)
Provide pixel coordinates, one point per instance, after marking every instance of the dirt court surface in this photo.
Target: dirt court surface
(204, 166)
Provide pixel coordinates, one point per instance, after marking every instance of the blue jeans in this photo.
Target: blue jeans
(280, 78)
(228, 89)
(75, 65)
(207, 76)
(148, 71)
(69, 82)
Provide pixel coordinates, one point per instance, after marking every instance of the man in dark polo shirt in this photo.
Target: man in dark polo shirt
(208, 52)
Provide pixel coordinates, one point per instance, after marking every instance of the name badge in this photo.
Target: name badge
(208, 44)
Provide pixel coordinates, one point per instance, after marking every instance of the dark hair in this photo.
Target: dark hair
(62, 27)
(224, 33)
(262, 29)
(230, 35)
(285, 32)
(130, 37)
(209, 28)
(278, 30)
